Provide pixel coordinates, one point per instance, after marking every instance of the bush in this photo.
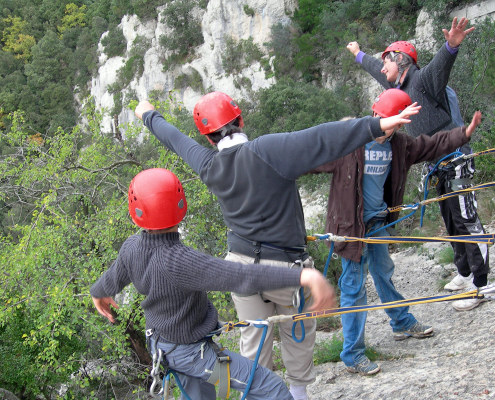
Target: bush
(114, 42)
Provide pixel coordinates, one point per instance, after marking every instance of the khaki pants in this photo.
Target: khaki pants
(297, 357)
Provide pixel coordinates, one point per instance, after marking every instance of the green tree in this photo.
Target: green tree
(289, 106)
(49, 81)
(74, 16)
(15, 40)
(72, 190)
(178, 15)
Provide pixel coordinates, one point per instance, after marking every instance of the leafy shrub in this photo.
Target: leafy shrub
(239, 55)
(114, 42)
(186, 35)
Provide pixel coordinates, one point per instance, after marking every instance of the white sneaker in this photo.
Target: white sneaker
(468, 304)
(459, 282)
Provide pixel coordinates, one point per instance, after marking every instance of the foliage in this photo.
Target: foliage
(15, 40)
(114, 42)
(186, 30)
(63, 234)
(291, 106)
(240, 54)
(192, 80)
(74, 16)
(248, 10)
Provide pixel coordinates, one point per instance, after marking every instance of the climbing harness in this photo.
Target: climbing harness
(220, 376)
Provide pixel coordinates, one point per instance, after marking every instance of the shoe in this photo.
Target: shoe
(417, 331)
(364, 367)
(298, 392)
(468, 304)
(459, 283)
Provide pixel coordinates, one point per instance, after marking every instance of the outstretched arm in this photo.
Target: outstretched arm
(387, 124)
(457, 32)
(322, 293)
(474, 123)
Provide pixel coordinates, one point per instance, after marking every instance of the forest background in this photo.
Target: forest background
(63, 181)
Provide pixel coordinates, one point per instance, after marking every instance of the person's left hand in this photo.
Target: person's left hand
(103, 306)
(457, 32)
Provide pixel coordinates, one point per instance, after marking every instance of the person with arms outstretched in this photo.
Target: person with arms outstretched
(364, 184)
(175, 279)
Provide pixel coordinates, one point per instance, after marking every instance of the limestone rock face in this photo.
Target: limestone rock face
(222, 20)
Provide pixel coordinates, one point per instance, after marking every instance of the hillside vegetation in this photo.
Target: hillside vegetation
(63, 182)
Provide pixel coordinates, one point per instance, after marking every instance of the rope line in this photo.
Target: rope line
(467, 156)
(488, 238)
(440, 198)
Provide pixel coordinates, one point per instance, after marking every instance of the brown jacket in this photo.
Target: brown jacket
(345, 201)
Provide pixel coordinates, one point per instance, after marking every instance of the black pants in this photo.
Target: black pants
(461, 218)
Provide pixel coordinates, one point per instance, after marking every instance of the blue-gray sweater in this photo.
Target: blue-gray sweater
(175, 279)
(255, 182)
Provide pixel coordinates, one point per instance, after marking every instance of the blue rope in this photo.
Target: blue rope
(303, 330)
(391, 224)
(255, 362)
(177, 381)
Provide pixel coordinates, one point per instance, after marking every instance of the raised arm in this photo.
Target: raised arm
(397, 120)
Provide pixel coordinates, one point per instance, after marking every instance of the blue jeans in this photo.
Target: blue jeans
(376, 258)
(194, 363)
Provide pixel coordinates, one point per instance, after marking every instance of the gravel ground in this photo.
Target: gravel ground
(456, 363)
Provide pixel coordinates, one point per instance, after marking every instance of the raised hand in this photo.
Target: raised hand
(389, 124)
(457, 32)
(143, 107)
(474, 123)
(353, 47)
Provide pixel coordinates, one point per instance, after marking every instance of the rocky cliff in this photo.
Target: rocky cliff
(220, 21)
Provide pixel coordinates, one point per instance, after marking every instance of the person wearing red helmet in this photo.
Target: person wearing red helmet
(175, 280)
(440, 110)
(364, 184)
(255, 184)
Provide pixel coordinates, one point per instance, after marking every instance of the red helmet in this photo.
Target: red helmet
(215, 110)
(391, 102)
(404, 47)
(156, 199)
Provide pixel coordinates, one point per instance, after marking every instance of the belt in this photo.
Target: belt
(263, 250)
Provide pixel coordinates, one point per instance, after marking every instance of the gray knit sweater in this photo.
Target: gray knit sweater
(174, 278)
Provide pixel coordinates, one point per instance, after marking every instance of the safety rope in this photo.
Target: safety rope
(488, 238)
(467, 156)
(473, 294)
(440, 198)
